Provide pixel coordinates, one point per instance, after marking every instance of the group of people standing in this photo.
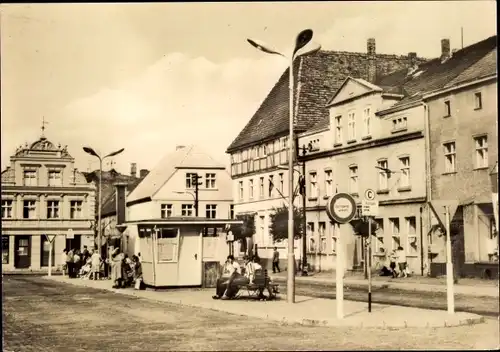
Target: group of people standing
(125, 272)
(398, 266)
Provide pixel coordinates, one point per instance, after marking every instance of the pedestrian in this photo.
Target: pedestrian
(77, 263)
(85, 254)
(137, 272)
(116, 268)
(402, 261)
(95, 259)
(69, 263)
(64, 266)
(393, 260)
(276, 260)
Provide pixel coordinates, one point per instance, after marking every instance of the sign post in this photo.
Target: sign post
(341, 208)
(50, 238)
(450, 207)
(369, 208)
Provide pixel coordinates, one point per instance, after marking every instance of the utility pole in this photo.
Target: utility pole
(195, 179)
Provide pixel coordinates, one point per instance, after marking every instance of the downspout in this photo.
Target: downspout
(428, 186)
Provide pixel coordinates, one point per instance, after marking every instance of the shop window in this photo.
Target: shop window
(167, 243)
(5, 249)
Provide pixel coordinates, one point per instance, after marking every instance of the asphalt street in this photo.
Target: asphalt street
(41, 315)
(486, 306)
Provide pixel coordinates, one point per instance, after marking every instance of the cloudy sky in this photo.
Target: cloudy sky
(148, 77)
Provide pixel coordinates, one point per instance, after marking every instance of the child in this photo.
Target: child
(95, 260)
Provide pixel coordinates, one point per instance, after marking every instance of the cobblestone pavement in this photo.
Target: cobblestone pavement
(41, 315)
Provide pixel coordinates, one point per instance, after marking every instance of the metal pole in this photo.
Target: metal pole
(290, 296)
(50, 255)
(304, 213)
(339, 277)
(196, 195)
(449, 265)
(421, 244)
(369, 264)
(99, 209)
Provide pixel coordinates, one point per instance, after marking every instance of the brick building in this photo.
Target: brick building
(261, 147)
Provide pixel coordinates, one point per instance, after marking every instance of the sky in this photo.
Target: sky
(149, 76)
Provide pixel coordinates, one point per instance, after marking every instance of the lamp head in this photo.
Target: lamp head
(263, 47)
(115, 153)
(90, 151)
(302, 39)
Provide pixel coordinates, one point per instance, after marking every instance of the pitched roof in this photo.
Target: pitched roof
(434, 74)
(187, 157)
(317, 79)
(360, 81)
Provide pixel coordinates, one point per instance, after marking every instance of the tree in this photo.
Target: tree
(360, 226)
(279, 223)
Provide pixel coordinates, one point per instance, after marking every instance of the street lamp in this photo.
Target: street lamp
(303, 38)
(494, 192)
(92, 152)
(194, 198)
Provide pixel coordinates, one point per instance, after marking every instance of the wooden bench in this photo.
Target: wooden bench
(261, 282)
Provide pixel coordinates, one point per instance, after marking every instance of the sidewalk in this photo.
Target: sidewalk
(468, 287)
(306, 310)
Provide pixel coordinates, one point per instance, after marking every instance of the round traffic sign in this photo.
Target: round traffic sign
(370, 194)
(341, 208)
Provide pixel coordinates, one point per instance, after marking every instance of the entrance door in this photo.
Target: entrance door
(22, 252)
(189, 260)
(74, 243)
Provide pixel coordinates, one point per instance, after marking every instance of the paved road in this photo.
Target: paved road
(487, 306)
(41, 315)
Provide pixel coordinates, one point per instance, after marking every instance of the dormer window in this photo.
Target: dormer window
(399, 124)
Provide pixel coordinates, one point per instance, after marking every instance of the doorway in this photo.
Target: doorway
(22, 249)
(74, 243)
(190, 270)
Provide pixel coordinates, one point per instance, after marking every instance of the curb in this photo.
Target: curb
(459, 319)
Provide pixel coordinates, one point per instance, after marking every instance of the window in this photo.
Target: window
(411, 230)
(250, 188)
(240, 187)
(6, 209)
(312, 244)
(335, 235)
(271, 185)
(283, 152)
(281, 184)
(394, 223)
(29, 209)
(322, 236)
(449, 157)
(52, 209)
(379, 234)
(261, 187)
(447, 108)
(256, 162)
(481, 151)
(187, 210)
(338, 129)
(262, 220)
(353, 179)
(231, 211)
(405, 171)
(168, 242)
(5, 249)
(383, 181)
(210, 180)
(328, 183)
(55, 178)
(76, 209)
(30, 178)
(313, 185)
(366, 122)
(190, 179)
(478, 101)
(211, 211)
(351, 126)
(399, 124)
(166, 210)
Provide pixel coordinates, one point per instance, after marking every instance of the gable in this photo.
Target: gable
(352, 88)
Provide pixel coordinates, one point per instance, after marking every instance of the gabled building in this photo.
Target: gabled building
(259, 152)
(44, 195)
(168, 191)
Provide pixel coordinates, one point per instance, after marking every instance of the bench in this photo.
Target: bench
(261, 282)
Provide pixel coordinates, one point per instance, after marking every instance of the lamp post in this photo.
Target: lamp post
(303, 38)
(92, 152)
(494, 192)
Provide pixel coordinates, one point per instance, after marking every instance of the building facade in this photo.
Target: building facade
(260, 151)
(168, 191)
(361, 148)
(44, 195)
(463, 120)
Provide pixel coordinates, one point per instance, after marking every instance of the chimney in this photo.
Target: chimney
(133, 169)
(121, 189)
(179, 147)
(372, 68)
(143, 173)
(412, 57)
(445, 50)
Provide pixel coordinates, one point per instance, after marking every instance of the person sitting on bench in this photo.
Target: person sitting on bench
(230, 272)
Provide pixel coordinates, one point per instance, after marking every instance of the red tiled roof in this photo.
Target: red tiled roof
(317, 79)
